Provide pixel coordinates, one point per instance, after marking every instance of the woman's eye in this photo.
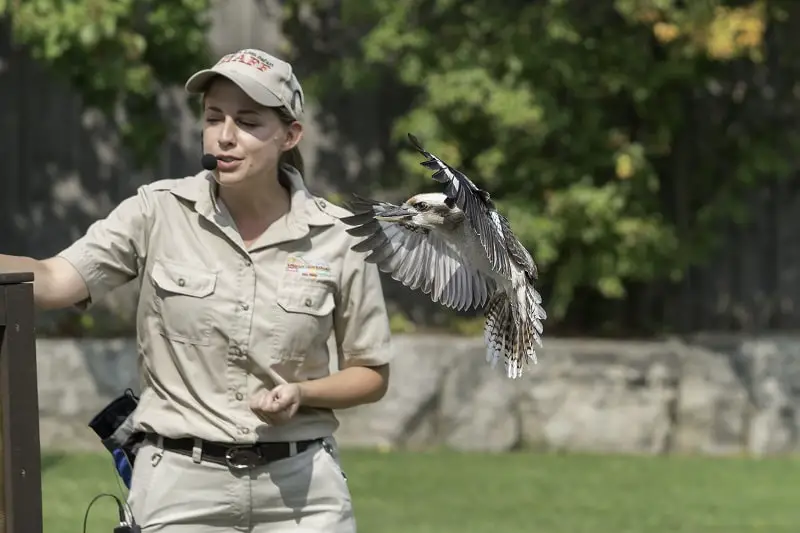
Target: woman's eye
(422, 206)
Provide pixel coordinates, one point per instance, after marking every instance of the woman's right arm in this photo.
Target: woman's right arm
(107, 256)
(56, 283)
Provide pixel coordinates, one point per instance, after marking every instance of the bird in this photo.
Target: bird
(456, 247)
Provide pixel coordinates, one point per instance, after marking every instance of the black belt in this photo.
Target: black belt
(236, 456)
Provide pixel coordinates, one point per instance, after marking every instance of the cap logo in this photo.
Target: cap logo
(248, 58)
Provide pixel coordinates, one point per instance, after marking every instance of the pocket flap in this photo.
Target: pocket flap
(183, 279)
(310, 298)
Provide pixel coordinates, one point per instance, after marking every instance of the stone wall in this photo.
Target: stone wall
(708, 395)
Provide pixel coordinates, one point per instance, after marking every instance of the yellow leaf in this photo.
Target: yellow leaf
(665, 31)
(624, 166)
(735, 31)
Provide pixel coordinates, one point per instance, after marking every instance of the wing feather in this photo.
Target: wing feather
(419, 260)
(516, 250)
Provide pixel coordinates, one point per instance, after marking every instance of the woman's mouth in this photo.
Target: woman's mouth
(227, 163)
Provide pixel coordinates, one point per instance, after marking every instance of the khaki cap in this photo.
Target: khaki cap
(265, 78)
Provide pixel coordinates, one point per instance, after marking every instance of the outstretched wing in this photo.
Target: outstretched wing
(419, 259)
(476, 205)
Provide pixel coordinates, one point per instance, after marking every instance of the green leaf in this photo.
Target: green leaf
(100, 48)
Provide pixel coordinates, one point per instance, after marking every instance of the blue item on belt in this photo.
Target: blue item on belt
(123, 466)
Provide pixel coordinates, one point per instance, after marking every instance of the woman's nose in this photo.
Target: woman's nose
(227, 136)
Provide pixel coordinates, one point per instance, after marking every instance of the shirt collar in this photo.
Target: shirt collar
(306, 210)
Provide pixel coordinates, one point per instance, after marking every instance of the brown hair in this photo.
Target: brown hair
(291, 157)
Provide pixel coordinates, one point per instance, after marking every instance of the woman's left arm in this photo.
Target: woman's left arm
(361, 328)
(350, 387)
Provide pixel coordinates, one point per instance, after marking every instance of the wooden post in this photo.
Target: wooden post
(20, 456)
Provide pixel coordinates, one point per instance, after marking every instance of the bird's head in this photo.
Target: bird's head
(428, 210)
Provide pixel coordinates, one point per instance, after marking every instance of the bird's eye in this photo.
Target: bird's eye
(422, 206)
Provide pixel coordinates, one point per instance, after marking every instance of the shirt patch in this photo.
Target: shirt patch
(308, 268)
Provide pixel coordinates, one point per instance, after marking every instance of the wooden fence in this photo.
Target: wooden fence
(20, 463)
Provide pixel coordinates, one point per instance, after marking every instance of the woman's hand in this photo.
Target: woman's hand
(344, 389)
(277, 405)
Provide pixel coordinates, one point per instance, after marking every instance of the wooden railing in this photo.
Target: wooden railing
(20, 460)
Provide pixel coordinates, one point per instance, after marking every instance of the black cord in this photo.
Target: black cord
(124, 526)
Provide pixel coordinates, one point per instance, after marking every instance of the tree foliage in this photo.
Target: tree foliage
(616, 135)
(117, 54)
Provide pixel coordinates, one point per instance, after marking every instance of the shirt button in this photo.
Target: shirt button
(181, 282)
(245, 431)
(245, 307)
(308, 302)
(239, 396)
(322, 203)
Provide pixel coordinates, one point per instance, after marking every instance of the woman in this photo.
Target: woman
(244, 276)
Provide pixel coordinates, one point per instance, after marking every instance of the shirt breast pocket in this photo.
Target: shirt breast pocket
(182, 301)
(304, 317)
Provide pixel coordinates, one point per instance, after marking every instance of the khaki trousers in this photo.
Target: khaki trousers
(172, 493)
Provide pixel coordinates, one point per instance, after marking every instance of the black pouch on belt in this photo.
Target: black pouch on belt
(114, 426)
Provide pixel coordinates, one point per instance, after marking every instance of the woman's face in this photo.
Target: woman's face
(246, 137)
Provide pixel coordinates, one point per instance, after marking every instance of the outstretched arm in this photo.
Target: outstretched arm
(101, 260)
(56, 283)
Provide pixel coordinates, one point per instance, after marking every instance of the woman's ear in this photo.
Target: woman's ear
(294, 133)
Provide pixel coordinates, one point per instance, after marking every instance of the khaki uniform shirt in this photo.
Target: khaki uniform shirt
(212, 316)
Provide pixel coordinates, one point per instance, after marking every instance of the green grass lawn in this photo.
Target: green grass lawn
(446, 492)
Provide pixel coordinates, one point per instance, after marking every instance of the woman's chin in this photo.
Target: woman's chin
(231, 179)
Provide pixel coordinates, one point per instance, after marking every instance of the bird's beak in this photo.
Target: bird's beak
(398, 214)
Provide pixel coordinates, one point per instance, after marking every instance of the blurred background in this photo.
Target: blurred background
(646, 153)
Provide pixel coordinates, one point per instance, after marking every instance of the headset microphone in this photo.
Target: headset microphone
(208, 161)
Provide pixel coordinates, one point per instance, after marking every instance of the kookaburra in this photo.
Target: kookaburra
(457, 248)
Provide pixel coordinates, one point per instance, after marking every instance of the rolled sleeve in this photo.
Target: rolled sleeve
(110, 253)
(363, 336)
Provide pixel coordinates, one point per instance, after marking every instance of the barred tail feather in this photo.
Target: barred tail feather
(534, 313)
(494, 334)
(513, 335)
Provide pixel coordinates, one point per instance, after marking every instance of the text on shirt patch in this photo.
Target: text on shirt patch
(308, 268)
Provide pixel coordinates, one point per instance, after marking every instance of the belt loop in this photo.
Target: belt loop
(292, 449)
(197, 451)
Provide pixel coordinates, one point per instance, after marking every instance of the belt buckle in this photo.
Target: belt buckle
(242, 458)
